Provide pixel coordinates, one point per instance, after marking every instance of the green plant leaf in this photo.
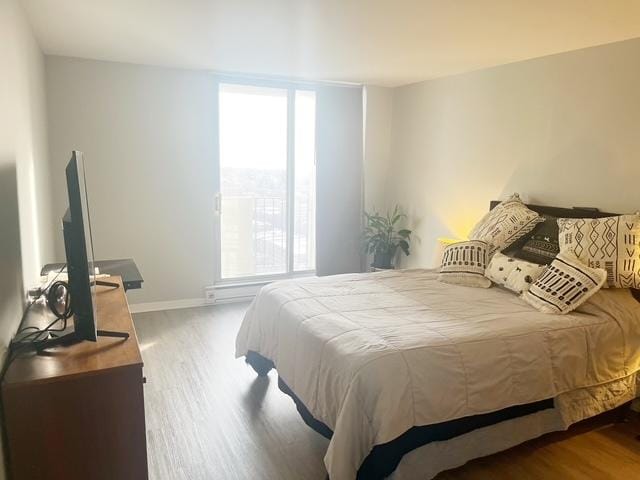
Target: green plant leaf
(404, 245)
(380, 236)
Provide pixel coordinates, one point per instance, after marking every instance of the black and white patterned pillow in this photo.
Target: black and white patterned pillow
(612, 243)
(506, 223)
(464, 263)
(541, 244)
(564, 285)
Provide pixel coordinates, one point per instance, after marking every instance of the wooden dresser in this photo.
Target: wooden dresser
(78, 412)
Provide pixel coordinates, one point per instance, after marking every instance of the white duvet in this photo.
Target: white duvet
(372, 355)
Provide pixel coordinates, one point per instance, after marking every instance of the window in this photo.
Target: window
(267, 180)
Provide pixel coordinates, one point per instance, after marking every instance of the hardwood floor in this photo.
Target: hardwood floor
(210, 417)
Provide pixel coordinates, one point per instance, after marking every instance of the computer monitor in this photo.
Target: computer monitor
(78, 245)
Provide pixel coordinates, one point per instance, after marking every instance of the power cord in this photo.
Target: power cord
(52, 292)
(29, 305)
(58, 293)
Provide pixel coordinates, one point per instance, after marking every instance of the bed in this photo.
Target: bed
(398, 369)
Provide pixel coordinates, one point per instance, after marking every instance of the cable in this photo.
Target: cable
(53, 297)
(28, 307)
(17, 345)
(30, 340)
(59, 293)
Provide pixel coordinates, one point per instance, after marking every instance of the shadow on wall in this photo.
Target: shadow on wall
(11, 287)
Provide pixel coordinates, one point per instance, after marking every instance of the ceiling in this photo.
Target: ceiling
(379, 42)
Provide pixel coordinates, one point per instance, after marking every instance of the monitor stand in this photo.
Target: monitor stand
(68, 336)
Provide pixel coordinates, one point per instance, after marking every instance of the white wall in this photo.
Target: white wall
(26, 242)
(149, 138)
(23, 133)
(25, 228)
(148, 134)
(562, 130)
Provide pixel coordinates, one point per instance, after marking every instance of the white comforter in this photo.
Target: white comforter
(372, 355)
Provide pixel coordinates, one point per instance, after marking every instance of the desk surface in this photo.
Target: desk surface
(123, 267)
(84, 358)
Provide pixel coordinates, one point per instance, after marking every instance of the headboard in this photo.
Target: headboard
(574, 212)
(561, 212)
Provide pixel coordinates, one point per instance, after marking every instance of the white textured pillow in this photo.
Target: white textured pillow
(512, 273)
(506, 223)
(612, 243)
(564, 285)
(464, 263)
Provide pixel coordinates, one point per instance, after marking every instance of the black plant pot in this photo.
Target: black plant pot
(382, 260)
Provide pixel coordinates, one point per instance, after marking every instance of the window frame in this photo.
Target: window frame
(291, 87)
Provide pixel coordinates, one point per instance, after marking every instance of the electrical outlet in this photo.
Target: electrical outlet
(209, 295)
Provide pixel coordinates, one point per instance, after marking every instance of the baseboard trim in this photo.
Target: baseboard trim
(166, 305)
(239, 299)
(185, 303)
(232, 293)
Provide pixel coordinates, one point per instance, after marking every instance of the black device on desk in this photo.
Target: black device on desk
(125, 268)
(79, 250)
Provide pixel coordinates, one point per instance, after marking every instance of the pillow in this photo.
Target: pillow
(541, 245)
(463, 263)
(505, 224)
(516, 275)
(564, 285)
(612, 243)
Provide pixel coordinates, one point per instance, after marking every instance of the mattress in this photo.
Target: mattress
(373, 355)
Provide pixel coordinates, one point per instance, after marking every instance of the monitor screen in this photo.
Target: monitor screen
(86, 230)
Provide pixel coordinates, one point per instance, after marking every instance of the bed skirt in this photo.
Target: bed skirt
(384, 459)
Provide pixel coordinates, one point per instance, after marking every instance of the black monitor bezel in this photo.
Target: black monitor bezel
(79, 254)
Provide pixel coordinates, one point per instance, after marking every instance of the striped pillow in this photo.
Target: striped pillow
(564, 285)
(463, 263)
(612, 243)
(506, 223)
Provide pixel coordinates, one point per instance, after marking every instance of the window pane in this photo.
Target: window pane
(304, 235)
(253, 180)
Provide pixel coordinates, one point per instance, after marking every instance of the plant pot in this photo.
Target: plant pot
(382, 260)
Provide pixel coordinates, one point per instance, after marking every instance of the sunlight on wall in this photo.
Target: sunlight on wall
(29, 206)
(440, 245)
(34, 262)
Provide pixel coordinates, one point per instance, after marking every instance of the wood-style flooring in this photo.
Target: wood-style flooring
(210, 417)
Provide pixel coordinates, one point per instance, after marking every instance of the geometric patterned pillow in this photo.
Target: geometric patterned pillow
(505, 223)
(565, 285)
(512, 273)
(541, 245)
(612, 243)
(464, 263)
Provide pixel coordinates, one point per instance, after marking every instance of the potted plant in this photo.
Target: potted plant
(382, 239)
